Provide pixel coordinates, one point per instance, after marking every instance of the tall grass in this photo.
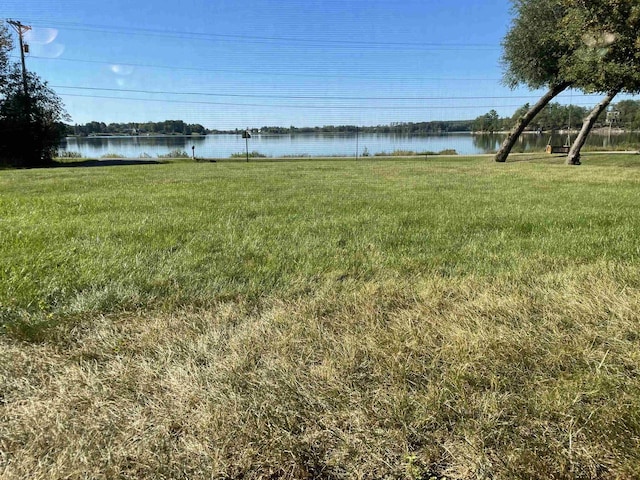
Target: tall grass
(252, 154)
(176, 153)
(402, 319)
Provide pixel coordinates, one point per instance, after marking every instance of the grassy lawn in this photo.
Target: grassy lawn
(440, 318)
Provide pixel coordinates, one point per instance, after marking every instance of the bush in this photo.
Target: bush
(254, 154)
(175, 154)
(112, 155)
(66, 154)
(411, 153)
(396, 153)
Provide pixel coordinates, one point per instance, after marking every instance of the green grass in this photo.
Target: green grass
(403, 318)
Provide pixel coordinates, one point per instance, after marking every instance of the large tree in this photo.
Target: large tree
(606, 41)
(536, 51)
(591, 45)
(31, 125)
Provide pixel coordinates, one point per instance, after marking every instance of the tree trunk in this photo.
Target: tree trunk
(574, 154)
(526, 119)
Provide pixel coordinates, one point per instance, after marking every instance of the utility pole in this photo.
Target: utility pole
(21, 29)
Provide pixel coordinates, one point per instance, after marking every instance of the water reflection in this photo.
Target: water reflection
(532, 142)
(332, 144)
(131, 146)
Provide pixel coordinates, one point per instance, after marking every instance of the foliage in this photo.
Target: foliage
(6, 44)
(629, 114)
(536, 49)
(553, 116)
(403, 128)
(31, 125)
(167, 127)
(556, 116)
(112, 155)
(489, 122)
(604, 35)
(590, 45)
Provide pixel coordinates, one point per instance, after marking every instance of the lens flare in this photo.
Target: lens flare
(121, 69)
(41, 36)
(51, 50)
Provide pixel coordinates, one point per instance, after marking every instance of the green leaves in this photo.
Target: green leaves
(594, 45)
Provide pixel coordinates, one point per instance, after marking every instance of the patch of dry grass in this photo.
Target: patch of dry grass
(459, 378)
(328, 319)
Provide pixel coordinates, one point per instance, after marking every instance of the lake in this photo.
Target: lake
(321, 144)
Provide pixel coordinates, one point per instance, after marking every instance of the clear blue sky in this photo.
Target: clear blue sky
(228, 64)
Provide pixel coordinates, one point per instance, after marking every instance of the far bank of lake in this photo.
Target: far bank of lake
(324, 144)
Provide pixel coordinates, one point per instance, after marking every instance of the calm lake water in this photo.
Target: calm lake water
(316, 145)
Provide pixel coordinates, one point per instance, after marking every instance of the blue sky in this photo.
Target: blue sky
(228, 64)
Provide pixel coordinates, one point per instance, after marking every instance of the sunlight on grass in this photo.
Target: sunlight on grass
(402, 318)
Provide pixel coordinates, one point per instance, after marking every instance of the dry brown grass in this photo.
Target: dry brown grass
(460, 378)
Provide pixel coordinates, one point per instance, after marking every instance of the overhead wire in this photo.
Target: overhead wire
(262, 72)
(331, 107)
(306, 42)
(297, 97)
(271, 40)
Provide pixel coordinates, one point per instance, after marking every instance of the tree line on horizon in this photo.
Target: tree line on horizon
(553, 116)
(166, 127)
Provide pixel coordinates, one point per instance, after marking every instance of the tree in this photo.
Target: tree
(606, 36)
(489, 122)
(591, 45)
(31, 125)
(629, 113)
(6, 44)
(536, 51)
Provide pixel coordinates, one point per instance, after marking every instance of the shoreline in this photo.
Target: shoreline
(595, 131)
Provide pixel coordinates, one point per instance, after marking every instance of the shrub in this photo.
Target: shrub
(113, 155)
(402, 153)
(254, 154)
(65, 154)
(175, 154)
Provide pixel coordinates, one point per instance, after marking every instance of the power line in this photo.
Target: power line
(291, 41)
(330, 107)
(299, 97)
(254, 72)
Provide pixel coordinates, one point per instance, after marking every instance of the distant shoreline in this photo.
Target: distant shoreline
(595, 131)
